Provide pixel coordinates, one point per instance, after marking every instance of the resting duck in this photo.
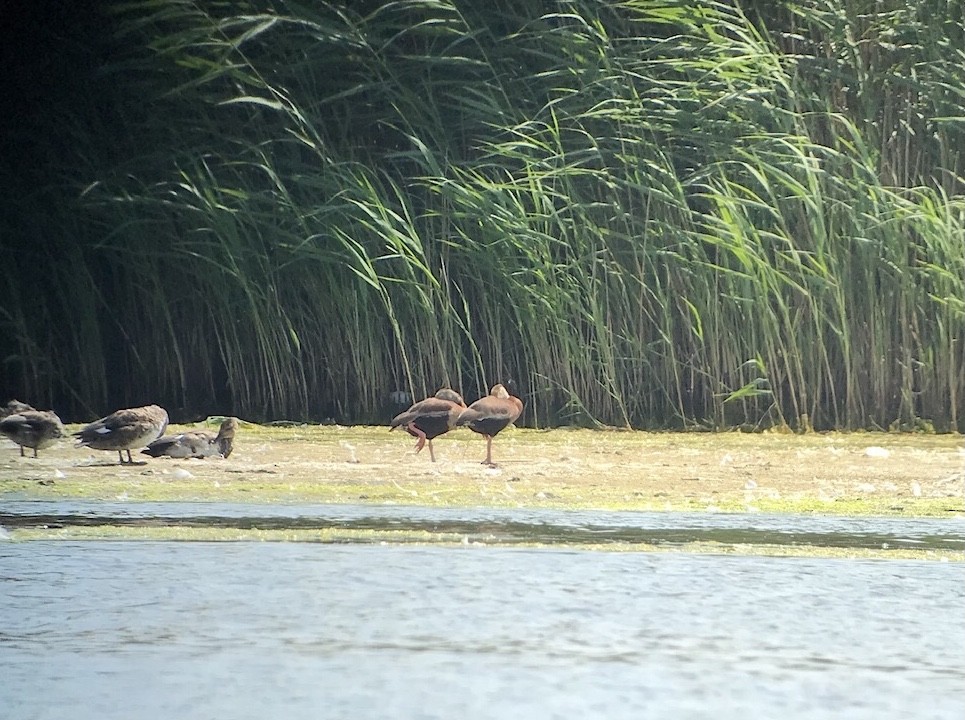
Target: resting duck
(37, 429)
(13, 407)
(491, 414)
(430, 418)
(124, 429)
(197, 443)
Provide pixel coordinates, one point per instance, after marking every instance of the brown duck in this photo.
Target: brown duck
(124, 429)
(490, 415)
(197, 443)
(430, 418)
(37, 429)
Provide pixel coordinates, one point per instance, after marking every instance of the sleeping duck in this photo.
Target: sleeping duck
(430, 418)
(124, 429)
(13, 407)
(197, 443)
(37, 429)
(490, 415)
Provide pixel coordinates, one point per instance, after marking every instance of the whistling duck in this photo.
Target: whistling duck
(37, 429)
(430, 418)
(124, 429)
(197, 443)
(491, 414)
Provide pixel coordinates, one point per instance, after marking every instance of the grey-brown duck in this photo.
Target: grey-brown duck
(37, 429)
(196, 443)
(124, 430)
(13, 407)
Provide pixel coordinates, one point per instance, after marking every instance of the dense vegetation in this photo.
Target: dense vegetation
(646, 213)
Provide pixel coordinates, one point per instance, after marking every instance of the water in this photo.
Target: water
(507, 526)
(301, 630)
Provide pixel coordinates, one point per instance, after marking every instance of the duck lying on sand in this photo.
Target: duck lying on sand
(196, 443)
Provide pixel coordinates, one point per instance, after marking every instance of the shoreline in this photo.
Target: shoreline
(837, 474)
(834, 473)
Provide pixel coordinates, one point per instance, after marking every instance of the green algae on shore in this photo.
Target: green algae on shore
(835, 473)
(423, 537)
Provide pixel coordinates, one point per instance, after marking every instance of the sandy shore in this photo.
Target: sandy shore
(855, 473)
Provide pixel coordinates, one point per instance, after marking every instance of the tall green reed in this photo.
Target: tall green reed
(647, 214)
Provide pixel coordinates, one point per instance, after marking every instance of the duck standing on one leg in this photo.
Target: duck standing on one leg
(124, 429)
(197, 443)
(37, 429)
(430, 418)
(491, 414)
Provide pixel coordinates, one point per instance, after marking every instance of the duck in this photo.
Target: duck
(430, 418)
(491, 414)
(124, 429)
(37, 429)
(196, 443)
(13, 407)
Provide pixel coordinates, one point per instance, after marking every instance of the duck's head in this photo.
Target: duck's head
(450, 395)
(500, 392)
(228, 428)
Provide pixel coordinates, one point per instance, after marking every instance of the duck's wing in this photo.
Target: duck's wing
(424, 409)
(183, 445)
(489, 415)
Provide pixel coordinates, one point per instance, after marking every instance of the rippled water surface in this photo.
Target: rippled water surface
(506, 525)
(298, 630)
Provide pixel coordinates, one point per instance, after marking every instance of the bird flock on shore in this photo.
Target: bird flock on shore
(123, 431)
(446, 410)
(143, 427)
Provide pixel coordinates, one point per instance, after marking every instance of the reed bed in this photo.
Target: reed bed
(646, 214)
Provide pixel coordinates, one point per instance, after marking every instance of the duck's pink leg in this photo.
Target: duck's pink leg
(419, 434)
(489, 452)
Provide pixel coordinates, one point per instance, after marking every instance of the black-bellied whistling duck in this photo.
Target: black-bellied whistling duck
(124, 429)
(196, 443)
(37, 429)
(491, 414)
(430, 418)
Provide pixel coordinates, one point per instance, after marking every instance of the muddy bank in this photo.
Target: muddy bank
(857, 473)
